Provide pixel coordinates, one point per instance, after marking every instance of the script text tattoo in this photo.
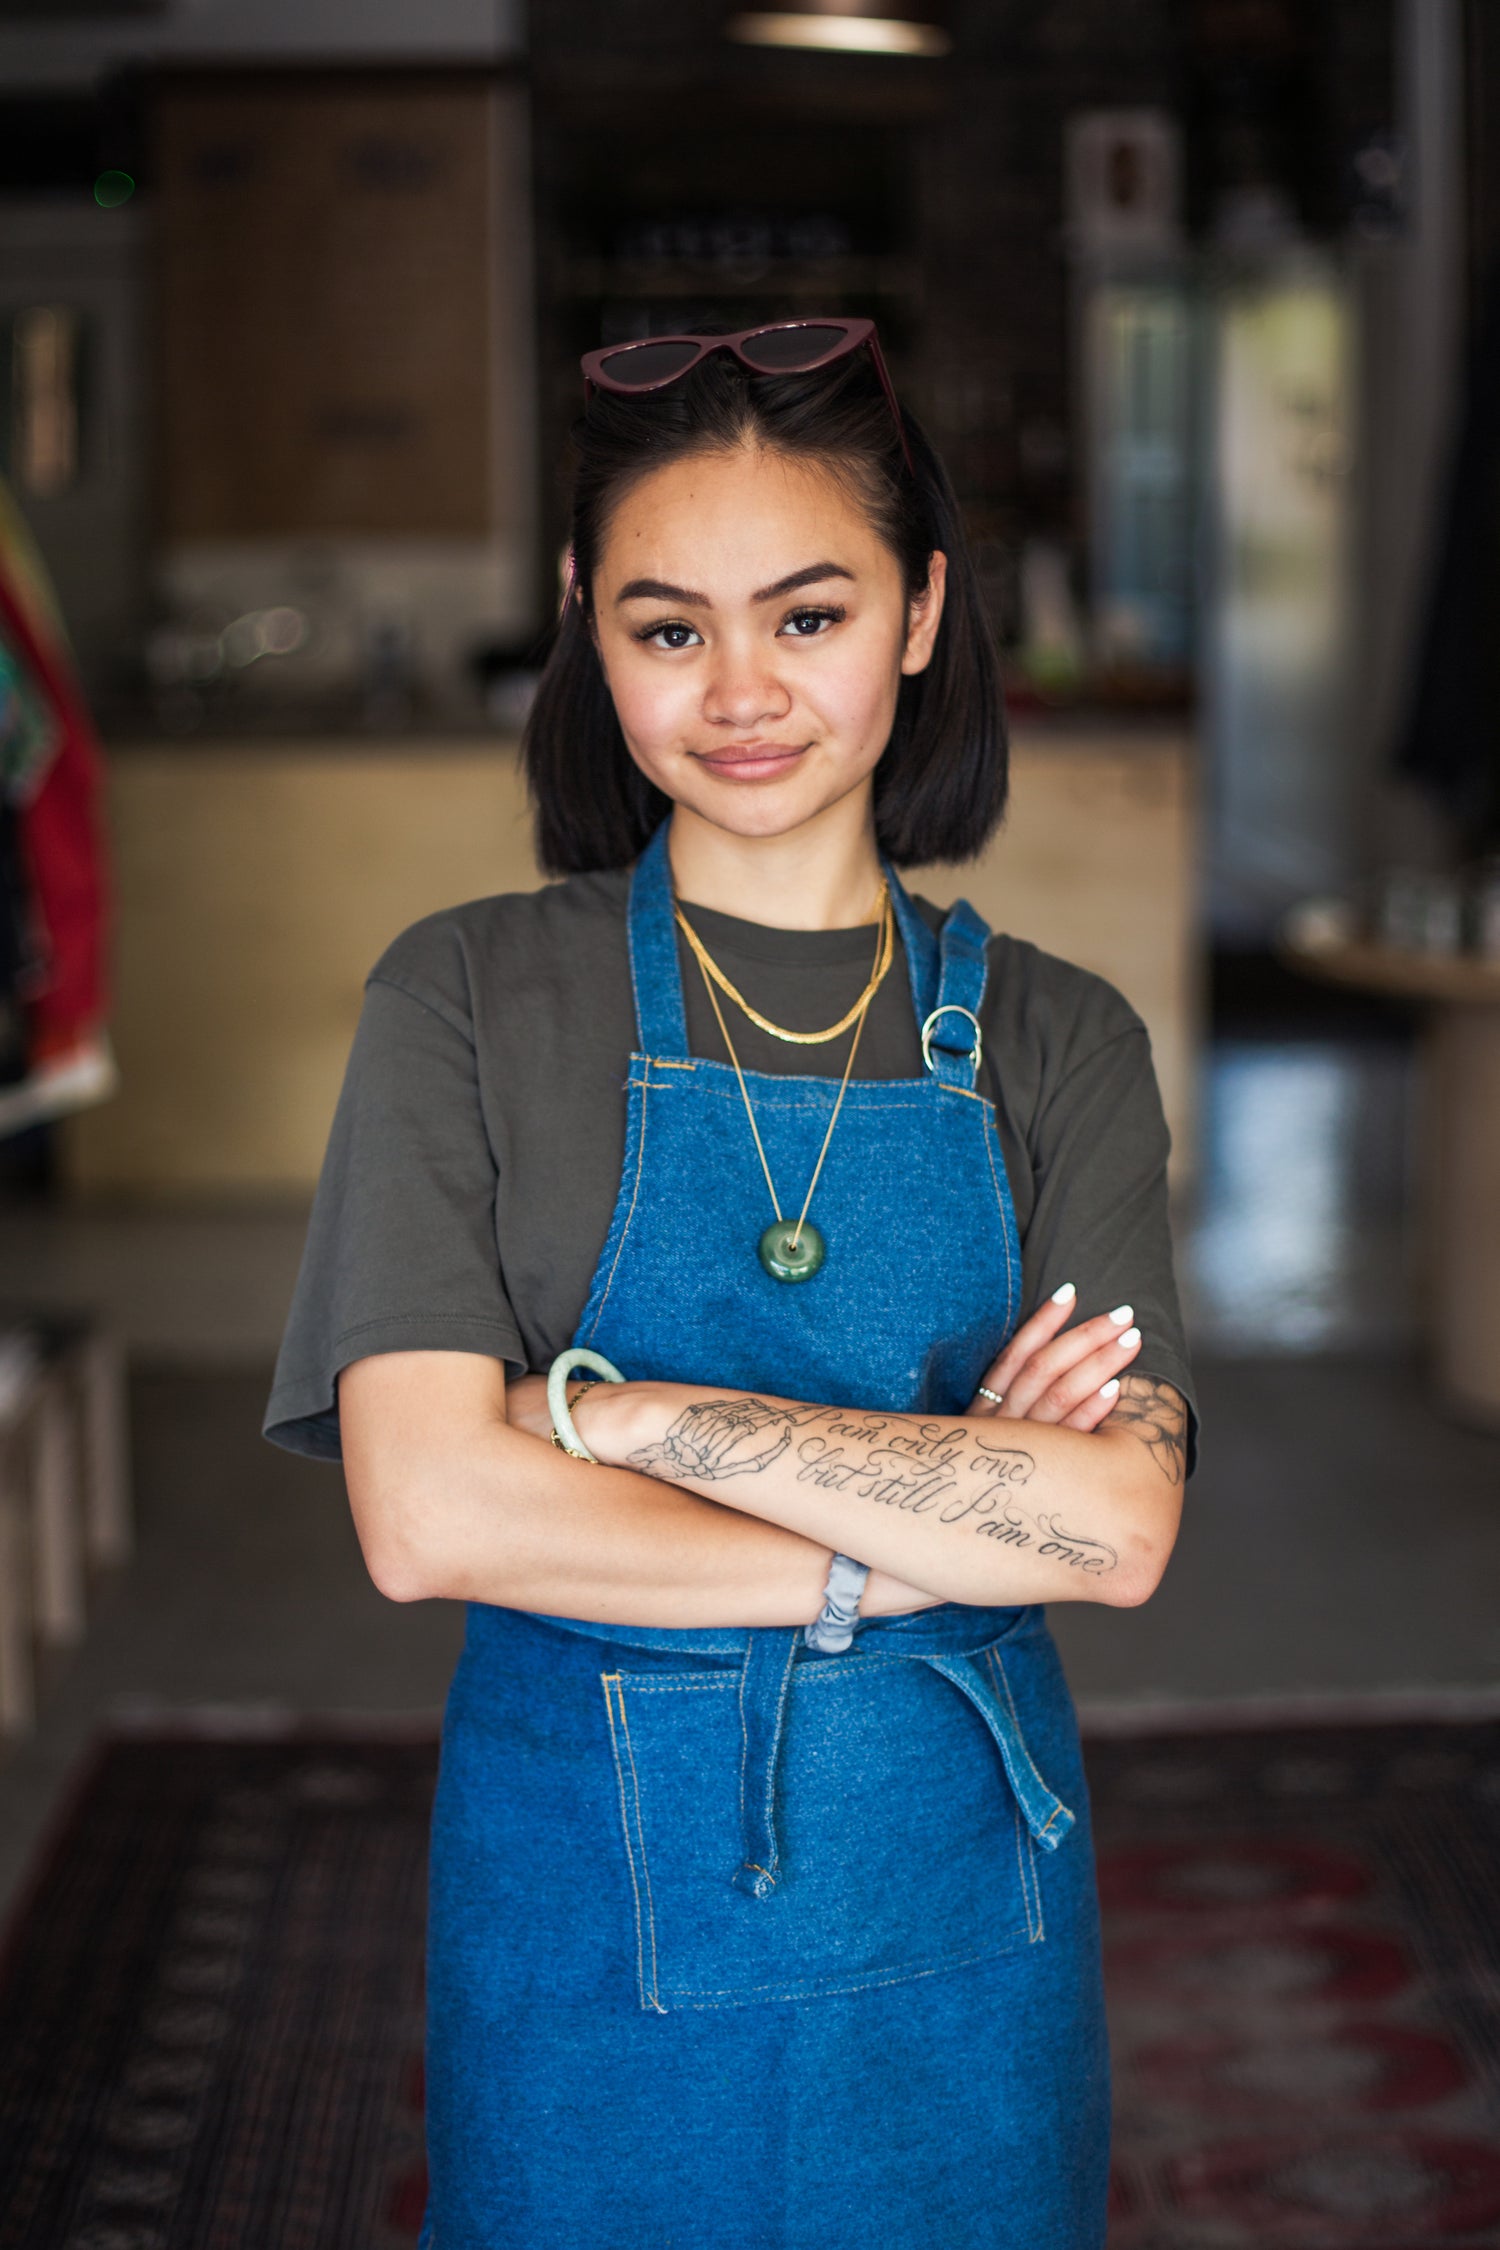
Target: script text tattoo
(923, 1468)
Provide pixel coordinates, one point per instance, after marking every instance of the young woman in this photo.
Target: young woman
(762, 1904)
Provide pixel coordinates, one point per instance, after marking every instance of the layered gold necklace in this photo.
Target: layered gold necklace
(713, 974)
(794, 1251)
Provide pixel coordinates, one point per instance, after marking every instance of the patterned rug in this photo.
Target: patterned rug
(1302, 1942)
(210, 2016)
(210, 2011)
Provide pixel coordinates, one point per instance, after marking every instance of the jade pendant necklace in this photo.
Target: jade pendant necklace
(794, 1250)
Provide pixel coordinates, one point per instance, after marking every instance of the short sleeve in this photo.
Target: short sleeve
(1098, 1148)
(401, 1252)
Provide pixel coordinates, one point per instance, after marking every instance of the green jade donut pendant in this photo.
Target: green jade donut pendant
(790, 1255)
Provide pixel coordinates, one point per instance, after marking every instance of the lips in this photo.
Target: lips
(751, 761)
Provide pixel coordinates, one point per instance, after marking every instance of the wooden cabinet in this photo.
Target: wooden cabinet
(343, 307)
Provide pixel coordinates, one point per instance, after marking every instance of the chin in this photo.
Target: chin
(755, 816)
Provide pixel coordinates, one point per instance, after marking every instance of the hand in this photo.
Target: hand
(1051, 1373)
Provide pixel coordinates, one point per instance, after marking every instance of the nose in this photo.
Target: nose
(743, 690)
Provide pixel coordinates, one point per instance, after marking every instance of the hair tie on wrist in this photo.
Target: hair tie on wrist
(564, 1436)
(835, 1625)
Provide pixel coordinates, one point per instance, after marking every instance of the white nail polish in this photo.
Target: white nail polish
(1121, 1314)
(1129, 1340)
(1065, 1295)
(1111, 1388)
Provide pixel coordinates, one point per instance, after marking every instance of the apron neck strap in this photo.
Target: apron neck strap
(923, 967)
(660, 1017)
(948, 973)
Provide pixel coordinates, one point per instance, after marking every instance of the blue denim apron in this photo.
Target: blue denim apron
(732, 1943)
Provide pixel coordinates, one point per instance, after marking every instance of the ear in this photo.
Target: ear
(925, 615)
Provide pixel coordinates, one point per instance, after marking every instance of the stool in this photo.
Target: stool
(64, 1491)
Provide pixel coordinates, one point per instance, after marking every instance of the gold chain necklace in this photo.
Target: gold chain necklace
(714, 975)
(794, 1253)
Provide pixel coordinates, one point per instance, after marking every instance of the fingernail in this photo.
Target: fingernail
(1065, 1295)
(1129, 1340)
(1121, 1314)
(1109, 1389)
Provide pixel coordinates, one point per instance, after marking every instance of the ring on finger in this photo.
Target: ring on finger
(994, 1397)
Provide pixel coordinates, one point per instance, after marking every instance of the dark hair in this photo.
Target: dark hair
(940, 785)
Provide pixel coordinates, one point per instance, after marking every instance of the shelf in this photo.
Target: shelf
(1445, 977)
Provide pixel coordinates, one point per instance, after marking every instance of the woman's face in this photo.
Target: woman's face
(753, 629)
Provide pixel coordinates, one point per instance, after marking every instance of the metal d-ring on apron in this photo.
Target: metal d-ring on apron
(915, 1188)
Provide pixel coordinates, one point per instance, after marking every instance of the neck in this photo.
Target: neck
(820, 877)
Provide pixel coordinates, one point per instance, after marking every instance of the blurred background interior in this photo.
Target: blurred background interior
(1201, 301)
(1198, 299)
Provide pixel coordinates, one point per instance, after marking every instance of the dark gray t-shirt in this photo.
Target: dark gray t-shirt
(475, 1154)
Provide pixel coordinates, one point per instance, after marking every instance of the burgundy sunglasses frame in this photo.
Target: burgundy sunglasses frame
(857, 331)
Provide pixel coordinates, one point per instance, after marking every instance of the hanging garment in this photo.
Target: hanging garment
(51, 774)
(731, 1943)
(15, 948)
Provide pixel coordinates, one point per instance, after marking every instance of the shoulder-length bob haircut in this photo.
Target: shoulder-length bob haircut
(940, 785)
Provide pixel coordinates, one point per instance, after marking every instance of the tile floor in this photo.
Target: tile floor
(1343, 1537)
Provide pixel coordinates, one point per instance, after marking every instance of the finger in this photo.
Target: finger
(1095, 1409)
(1083, 1383)
(1080, 1383)
(1053, 1360)
(1040, 1329)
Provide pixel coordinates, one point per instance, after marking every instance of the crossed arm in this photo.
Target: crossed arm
(717, 1507)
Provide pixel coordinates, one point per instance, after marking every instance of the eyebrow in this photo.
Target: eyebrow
(798, 578)
(657, 589)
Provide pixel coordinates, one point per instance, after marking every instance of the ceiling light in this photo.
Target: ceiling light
(845, 34)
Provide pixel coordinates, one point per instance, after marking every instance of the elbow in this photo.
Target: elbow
(1142, 1563)
(1135, 1581)
(400, 1561)
(399, 1573)
(398, 1569)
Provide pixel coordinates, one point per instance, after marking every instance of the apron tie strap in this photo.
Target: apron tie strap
(764, 1683)
(1045, 1815)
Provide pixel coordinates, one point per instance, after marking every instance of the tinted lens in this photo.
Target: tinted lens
(649, 363)
(781, 351)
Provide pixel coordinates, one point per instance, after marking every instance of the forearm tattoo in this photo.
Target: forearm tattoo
(924, 1468)
(1155, 1413)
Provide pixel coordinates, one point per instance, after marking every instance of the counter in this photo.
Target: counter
(257, 881)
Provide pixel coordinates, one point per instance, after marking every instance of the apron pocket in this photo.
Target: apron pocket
(902, 1853)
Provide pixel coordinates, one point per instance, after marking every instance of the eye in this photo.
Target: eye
(671, 635)
(807, 624)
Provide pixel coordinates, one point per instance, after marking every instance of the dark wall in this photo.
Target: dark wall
(1482, 80)
(943, 183)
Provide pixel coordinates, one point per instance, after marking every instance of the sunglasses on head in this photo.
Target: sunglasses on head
(778, 347)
